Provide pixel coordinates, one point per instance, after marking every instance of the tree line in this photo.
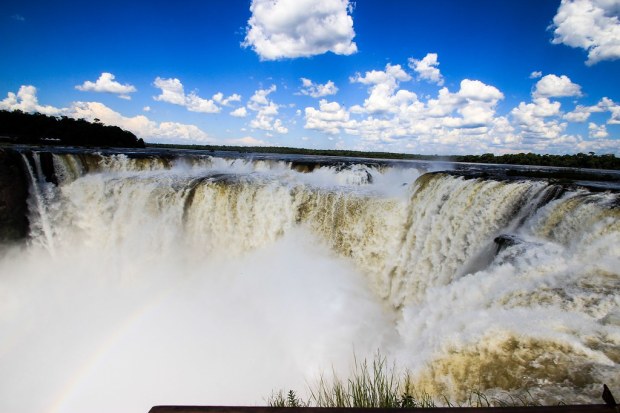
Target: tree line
(302, 151)
(580, 160)
(38, 129)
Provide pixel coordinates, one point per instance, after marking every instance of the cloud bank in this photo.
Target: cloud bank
(461, 117)
(462, 120)
(26, 101)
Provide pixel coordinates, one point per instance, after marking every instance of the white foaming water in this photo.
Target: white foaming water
(214, 281)
(91, 331)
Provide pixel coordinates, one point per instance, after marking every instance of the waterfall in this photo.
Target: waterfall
(42, 193)
(264, 264)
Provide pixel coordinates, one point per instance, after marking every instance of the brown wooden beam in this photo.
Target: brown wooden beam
(585, 408)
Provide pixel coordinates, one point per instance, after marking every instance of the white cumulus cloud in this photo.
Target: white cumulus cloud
(317, 90)
(26, 100)
(475, 90)
(219, 98)
(107, 84)
(608, 105)
(195, 103)
(299, 28)
(532, 119)
(582, 113)
(140, 125)
(383, 95)
(329, 118)
(259, 98)
(172, 91)
(591, 25)
(239, 112)
(539, 108)
(597, 131)
(266, 111)
(463, 119)
(427, 68)
(579, 114)
(556, 86)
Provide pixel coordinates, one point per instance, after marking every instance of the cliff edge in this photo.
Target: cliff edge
(13, 197)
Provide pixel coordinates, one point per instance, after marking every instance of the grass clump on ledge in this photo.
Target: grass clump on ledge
(379, 386)
(376, 385)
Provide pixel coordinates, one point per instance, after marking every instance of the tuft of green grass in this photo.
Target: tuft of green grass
(290, 400)
(370, 385)
(377, 385)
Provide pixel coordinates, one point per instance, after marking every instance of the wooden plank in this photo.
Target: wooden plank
(585, 408)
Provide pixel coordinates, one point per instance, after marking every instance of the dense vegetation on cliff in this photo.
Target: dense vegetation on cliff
(580, 160)
(36, 128)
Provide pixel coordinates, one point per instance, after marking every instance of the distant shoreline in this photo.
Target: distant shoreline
(580, 160)
(22, 128)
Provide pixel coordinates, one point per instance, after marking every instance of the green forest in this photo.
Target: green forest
(580, 160)
(37, 129)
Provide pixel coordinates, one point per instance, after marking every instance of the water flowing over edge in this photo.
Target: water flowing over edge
(472, 283)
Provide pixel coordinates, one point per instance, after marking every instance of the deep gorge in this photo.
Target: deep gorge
(201, 278)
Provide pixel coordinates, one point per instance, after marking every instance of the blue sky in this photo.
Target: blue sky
(433, 77)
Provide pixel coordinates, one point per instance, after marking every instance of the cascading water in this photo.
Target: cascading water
(203, 280)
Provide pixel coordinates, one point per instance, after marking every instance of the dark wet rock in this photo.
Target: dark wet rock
(509, 247)
(303, 166)
(366, 176)
(13, 197)
(506, 240)
(47, 167)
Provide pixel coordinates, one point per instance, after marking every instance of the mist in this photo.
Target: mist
(83, 334)
(206, 281)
